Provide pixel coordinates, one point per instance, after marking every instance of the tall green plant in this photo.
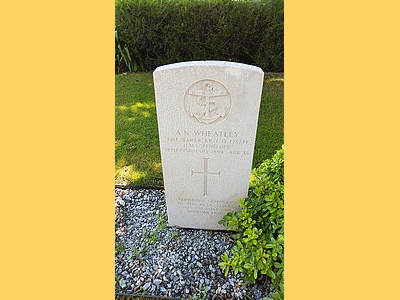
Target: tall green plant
(260, 239)
(122, 54)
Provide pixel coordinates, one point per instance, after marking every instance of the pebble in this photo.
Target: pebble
(147, 285)
(122, 283)
(173, 267)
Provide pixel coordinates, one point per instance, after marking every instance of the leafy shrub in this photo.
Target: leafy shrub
(159, 32)
(260, 225)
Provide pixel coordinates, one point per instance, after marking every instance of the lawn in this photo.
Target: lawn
(137, 148)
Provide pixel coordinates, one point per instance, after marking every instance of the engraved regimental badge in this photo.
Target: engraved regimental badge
(207, 102)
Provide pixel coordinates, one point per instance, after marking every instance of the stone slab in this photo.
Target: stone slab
(207, 115)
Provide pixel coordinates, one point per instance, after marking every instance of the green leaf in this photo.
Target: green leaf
(239, 244)
(224, 257)
(271, 274)
(127, 53)
(235, 236)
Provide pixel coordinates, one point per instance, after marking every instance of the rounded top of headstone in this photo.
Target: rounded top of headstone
(209, 63)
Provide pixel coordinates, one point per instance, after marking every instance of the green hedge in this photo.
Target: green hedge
(159, 32)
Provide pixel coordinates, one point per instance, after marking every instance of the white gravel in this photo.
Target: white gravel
(171, 262)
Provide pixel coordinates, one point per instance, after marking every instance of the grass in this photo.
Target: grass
(269, 136)
(137, 148)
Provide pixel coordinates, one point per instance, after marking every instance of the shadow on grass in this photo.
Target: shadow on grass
(137, 150)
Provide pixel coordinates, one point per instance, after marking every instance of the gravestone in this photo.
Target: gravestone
(207, 119)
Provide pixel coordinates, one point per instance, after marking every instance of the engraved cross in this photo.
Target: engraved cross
(206, 173)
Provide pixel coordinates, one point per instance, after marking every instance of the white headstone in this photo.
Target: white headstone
(207, 119)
